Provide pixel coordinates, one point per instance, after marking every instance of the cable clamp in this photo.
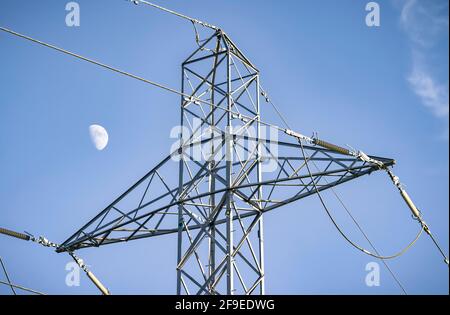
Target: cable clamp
(352, 151)
(364, 157)
(425, 226)
(45, 242)
(79, 261)
(266, 96)
(240, 117)
(41, 240)
(192, 100)
(298, 135)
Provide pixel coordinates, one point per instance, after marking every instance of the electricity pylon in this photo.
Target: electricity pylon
(232, 169)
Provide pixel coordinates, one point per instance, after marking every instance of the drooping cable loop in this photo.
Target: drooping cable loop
(416, 213)
(337, 226)
(199, 41)
(194, 22)
(372, 161)
(360, 228)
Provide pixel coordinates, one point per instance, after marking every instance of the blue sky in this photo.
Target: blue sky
(383, 90)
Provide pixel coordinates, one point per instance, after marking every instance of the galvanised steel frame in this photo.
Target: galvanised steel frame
(216, 205)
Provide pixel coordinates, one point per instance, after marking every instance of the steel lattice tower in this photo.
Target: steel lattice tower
(231, 172)
(232, 169)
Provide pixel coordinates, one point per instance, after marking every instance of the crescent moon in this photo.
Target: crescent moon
(99, 136)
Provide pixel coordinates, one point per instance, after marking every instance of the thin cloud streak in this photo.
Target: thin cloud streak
(432, 94)
(426, 23)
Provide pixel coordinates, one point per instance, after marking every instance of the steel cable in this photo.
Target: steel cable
(394, 276)
(190, 97)
(392, 273)
(7, 276)
(306, 158)
(22, 288)
(339, 229)
(176, 14)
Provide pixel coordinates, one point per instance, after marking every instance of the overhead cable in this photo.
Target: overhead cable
(417, 214)
(339, 229)
(21, 288)
(175, 13)
(365, 158)
(189, 97)
(7, 276)
(344, 151)
(360, 228)
(46, 243)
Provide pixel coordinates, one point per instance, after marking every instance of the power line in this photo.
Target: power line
(64, 51)
(183, 16)
(416, 212)
(306, 158)
(189, 98)
(394, 276)
(7, 276)
(268, 100)
(192, 99)
(22, 288)
(339, 229)
(46, 243)
(176, 14)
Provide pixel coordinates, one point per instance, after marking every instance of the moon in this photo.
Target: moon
(99, 136)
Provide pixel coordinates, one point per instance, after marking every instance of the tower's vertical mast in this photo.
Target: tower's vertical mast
(212, 178)
(262, 289)
(180, 190)
(229, 169)
(220, 234)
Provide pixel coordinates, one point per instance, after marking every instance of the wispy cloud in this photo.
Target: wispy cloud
(425, 20)
(433, 95)
(426, 25)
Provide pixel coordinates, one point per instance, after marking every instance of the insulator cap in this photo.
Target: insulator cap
(15, 234)
(331, 147)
